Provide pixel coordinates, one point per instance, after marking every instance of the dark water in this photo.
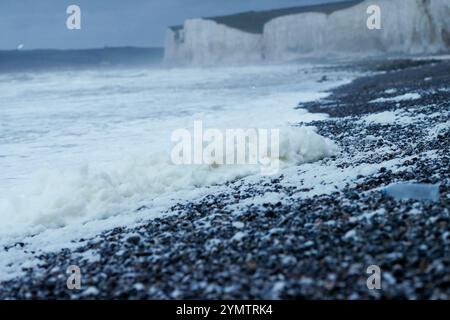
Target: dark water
(43, 60)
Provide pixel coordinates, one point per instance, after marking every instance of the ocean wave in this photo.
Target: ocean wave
(56, 198)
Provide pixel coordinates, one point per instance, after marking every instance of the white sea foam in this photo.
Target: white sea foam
(81, 151)
(403, 97)
(55, 198)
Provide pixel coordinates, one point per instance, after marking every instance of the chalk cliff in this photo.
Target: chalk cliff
(407, 27)
(206, 42)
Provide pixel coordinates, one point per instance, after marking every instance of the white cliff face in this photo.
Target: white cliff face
(408, 27)
(440, 11)
(174, 52)
(207, 43)
(286, 38)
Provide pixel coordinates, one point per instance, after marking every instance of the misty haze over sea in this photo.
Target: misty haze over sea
(49, 59)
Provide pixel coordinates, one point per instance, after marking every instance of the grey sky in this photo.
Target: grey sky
(42, 23)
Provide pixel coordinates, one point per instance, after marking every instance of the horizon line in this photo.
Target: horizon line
(81, 49)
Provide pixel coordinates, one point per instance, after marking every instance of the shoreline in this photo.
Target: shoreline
(309, 233)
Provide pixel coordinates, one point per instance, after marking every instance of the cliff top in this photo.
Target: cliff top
(254, 21)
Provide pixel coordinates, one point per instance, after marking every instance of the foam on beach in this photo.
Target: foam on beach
(106, 151)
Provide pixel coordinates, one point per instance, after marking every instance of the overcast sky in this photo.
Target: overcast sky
(42, 23)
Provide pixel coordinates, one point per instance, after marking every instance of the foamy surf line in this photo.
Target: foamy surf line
(58, 205)
(102, 201)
